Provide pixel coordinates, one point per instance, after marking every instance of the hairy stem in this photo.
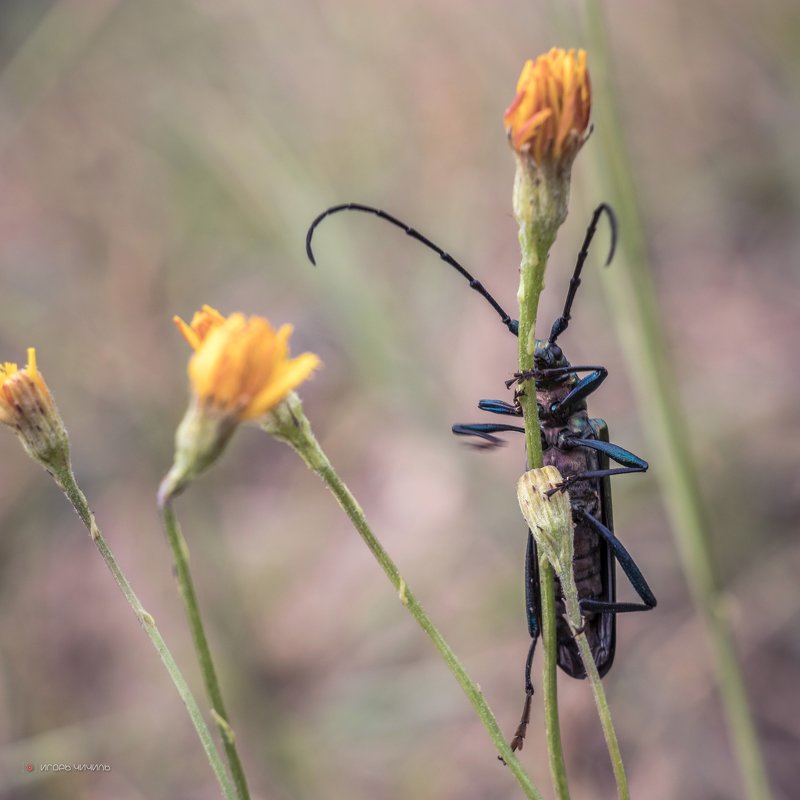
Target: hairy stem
(535, 242)
(289, 424)
(180, 554)
(66, 480)
(573, 613)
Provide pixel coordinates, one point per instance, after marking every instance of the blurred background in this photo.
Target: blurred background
(157, 156)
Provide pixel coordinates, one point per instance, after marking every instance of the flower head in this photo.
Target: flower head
(241, 365)
(549, 115)
(240, 371)
(27, 406)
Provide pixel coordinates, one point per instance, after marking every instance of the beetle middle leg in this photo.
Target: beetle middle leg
(486, 430)
(630, 462)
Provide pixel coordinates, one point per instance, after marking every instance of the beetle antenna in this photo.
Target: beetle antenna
(560, 325)
(511, 324)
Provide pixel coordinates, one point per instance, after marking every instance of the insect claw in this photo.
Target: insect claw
(579, 631)
(519, 735)
(559, 488)
(519, 377)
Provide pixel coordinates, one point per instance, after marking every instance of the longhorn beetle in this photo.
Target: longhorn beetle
(580, 448)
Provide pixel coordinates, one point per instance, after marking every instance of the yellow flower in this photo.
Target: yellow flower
(27, 406)
(202, 322)
(241, 365)
(18, 386)
(240, 371)
(550, 113)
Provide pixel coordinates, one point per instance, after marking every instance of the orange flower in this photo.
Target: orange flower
(241, 365)
(240, 371)
(550, 113)
(21, 391)
(27, 406)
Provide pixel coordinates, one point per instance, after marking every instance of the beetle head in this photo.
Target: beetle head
(548, 355)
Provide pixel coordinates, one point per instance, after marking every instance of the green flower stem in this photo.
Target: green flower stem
(539, 216)
(573, 613)
(642, 336)
(65, 479)
(603, 711)
(289, 424)
(555, 750)
(180, 554)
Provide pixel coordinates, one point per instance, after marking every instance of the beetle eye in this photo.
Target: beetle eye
(544, 440)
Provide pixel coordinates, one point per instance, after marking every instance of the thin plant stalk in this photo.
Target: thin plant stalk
(535, 247)
(537, 235)
(180, 554)
(631, 292)
(289, 424)
(604, 712)
(573, 612)
(66, 481)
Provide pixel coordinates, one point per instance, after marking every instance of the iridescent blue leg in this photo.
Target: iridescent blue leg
(583, 388)
(629, 567)
(630, 461)
(484, 430)
(500, 407)
(616, 453)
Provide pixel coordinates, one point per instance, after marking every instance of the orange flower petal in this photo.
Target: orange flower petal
(241, 365)
(549, 115)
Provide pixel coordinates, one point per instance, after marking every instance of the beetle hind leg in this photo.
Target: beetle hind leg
(629, 567)
(519, 735)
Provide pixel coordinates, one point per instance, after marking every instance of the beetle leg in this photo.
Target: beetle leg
(613, 451)
(500, 407)
(485, 431)
(629, 567)
(597, 473)
(531, 606)
(519, 735)
(583, 388)
(553, 372)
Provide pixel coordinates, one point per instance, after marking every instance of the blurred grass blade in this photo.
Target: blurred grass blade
(636, 316)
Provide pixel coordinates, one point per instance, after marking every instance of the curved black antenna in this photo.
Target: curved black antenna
(511, 324)
(560, 325)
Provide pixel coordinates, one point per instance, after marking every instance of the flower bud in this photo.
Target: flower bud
(549, 518)
(549, 116)
(547, 124)
(27, 406)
